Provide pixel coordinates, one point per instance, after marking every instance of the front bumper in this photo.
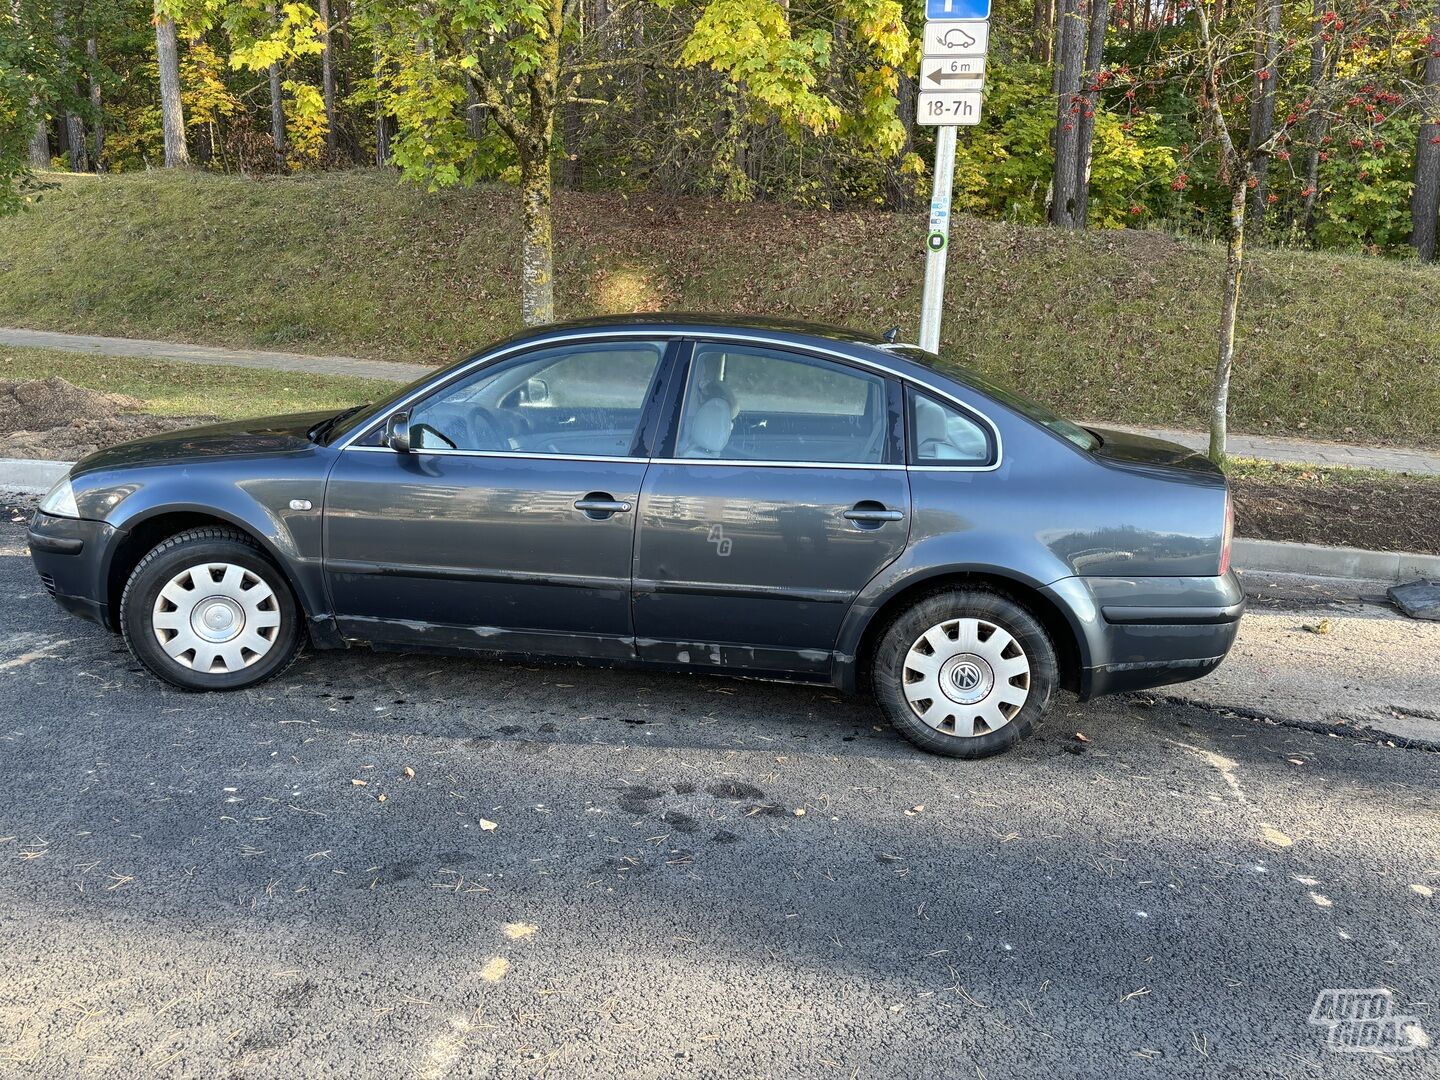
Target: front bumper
(67, 553)
(1147, 632)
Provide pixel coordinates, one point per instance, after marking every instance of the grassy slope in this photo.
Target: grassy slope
(1110, 325)
(173, 389)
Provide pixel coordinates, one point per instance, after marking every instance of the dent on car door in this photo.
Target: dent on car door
(510, 525)
(778, 494)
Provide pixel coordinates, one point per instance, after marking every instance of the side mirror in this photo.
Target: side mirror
(397, 432)
(537, 391)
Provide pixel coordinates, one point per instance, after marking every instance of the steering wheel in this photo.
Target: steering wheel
(487, 431)
(422, 427)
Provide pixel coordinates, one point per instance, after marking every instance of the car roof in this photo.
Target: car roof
(700, 322)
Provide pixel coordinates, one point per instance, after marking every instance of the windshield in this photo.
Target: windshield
(350, 419)
(1031, 410)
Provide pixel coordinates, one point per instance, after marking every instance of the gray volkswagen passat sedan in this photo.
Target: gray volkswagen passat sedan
(697, 493)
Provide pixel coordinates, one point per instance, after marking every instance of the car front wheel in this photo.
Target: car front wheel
(965, 672)
(206, 610)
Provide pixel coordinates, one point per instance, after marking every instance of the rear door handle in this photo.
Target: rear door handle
(874, 514)
(601, 504)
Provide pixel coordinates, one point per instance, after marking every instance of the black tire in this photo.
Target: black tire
(890, 679)
(210, 544)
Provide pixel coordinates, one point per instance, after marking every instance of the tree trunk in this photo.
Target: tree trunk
(1042, 30)
(1229, 310)
(382, 122)
(171, 113)
(327, 79)
(277, 115)
(537, 258)
(74, 127)
(1090, 101)
(39, 145)
(899, 189)
(39, 141)
(97, 115)
(1262, 113)
(1070, 34)
(1316, 125)
(1425, 205)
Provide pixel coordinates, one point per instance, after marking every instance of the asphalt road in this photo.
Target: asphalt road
(255, 884)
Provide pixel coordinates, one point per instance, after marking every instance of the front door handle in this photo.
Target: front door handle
(600, 505)
(872, 513)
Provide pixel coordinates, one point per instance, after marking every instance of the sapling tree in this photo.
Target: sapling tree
(1236, 67)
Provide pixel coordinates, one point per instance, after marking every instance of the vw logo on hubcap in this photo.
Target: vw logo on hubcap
(966, 676)
(966, 679)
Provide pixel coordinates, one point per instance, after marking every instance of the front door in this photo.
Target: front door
(783, 493)
(510, 526)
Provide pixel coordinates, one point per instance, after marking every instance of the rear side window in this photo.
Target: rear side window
(944, 434)
(746, 403)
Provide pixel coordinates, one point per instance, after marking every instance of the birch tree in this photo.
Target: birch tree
(1231, 88)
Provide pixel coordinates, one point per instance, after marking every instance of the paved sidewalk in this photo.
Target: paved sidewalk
(1266, 448)
(1304, 451)
(210, 354)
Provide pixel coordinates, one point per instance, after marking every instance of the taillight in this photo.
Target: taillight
(1228, 535)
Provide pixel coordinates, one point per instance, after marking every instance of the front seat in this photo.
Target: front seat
(932, 438)
(708, 432)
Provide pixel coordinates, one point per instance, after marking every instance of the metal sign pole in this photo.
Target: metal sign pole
(937, 240)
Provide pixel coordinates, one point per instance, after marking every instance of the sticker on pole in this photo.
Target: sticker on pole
(946, 108)
(957, 9)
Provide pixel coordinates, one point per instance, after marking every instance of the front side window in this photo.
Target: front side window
(745, 403)
(943, 434)
(584, 400)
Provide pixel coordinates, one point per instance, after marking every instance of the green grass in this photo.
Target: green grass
(1319, 476)
(178, 389)
(1104, 325)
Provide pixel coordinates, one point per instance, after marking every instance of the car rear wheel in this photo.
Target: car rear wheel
(964, 672)
(206, 610)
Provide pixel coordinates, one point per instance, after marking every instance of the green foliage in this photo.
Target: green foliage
(1003, 166)
(261, 37)
(749, 99)
(752, 42)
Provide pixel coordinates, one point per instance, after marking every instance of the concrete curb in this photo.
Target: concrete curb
(1316, 560)
(33, 477)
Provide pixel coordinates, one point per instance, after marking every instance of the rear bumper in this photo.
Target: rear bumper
(1141, 633)
(67, 554)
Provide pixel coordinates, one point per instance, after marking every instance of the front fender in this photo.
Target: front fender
(135, 501)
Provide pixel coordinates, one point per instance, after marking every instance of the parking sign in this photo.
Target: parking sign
(957, 9)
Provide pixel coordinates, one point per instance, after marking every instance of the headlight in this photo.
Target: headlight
(60, 500)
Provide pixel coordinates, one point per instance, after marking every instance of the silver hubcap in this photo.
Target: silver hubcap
(216, 618)
(966, 677)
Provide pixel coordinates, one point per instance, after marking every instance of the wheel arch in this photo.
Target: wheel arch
(1064, 629)
(142, 533)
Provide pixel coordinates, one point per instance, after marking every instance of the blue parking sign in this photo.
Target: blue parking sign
(957, 9)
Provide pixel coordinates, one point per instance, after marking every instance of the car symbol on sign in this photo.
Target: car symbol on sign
(956, 38)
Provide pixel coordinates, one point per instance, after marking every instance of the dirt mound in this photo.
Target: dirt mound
(51, 418)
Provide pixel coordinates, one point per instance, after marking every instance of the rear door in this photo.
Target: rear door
(778, 492)
(510, 526)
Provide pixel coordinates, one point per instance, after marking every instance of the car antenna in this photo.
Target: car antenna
(891, 336)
